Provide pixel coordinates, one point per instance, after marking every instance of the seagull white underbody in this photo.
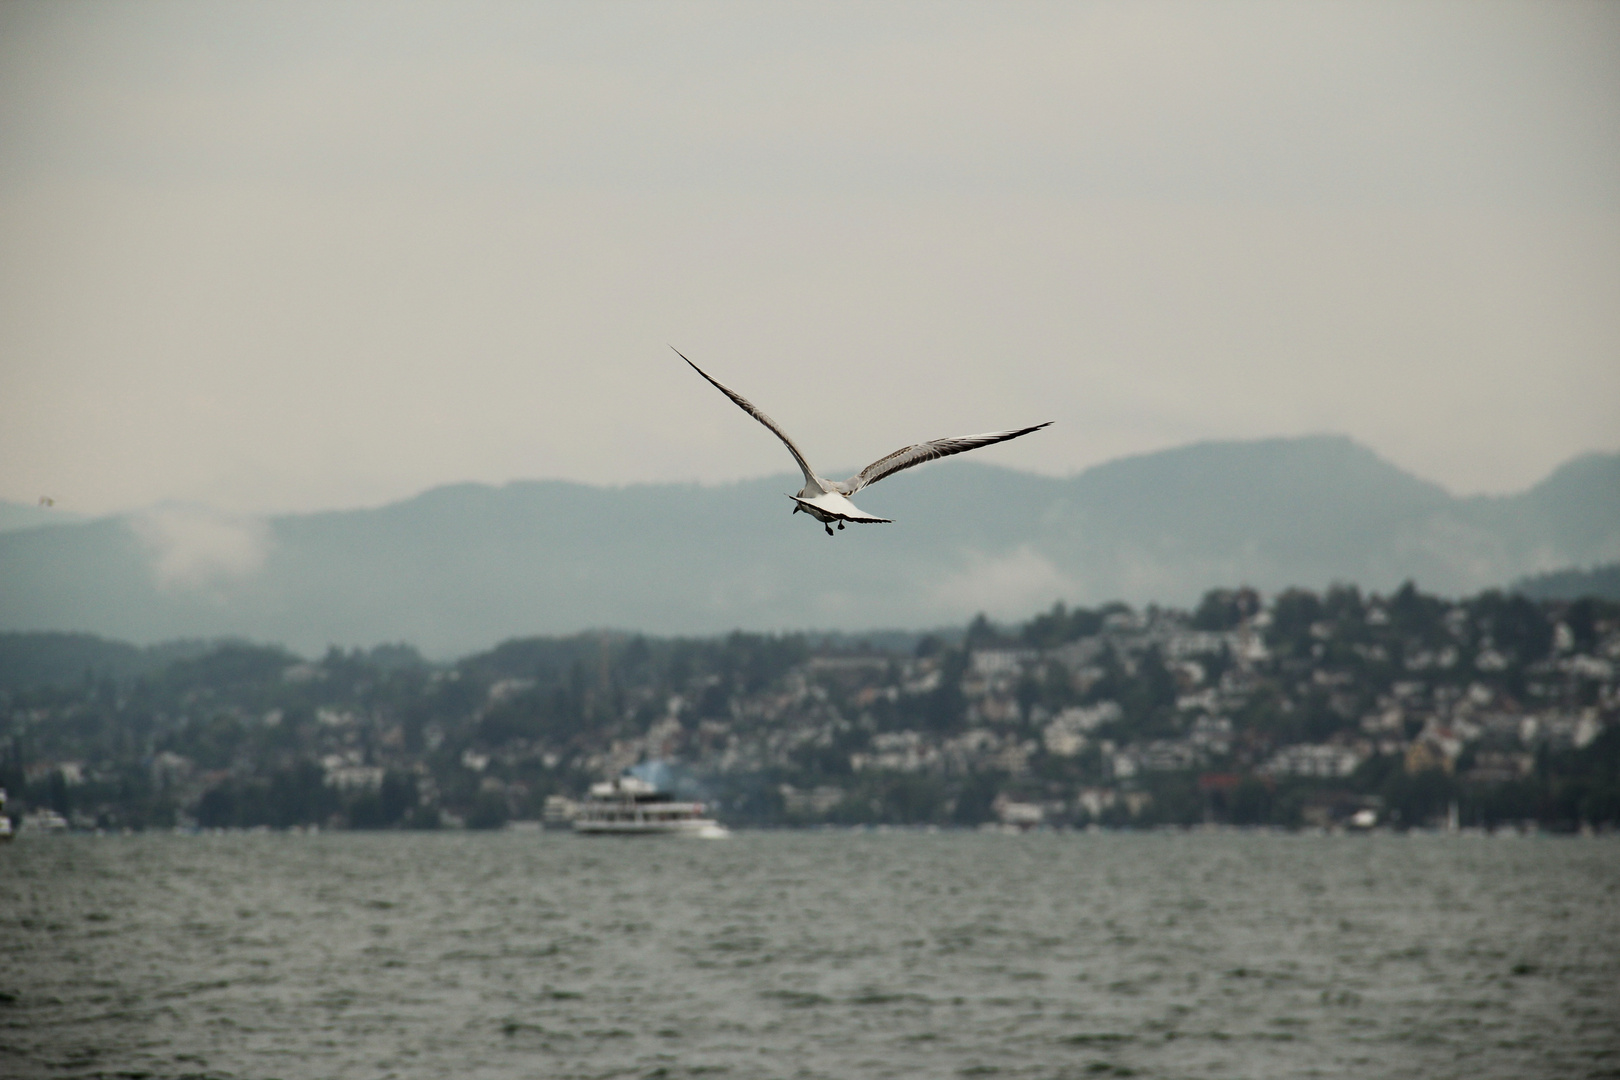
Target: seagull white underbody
(828, 501)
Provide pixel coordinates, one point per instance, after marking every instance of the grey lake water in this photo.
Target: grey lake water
(809, 954)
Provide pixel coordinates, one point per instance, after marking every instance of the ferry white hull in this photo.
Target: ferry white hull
(701, 828)
(626, 806)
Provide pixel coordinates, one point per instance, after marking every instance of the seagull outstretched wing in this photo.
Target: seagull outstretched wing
(810, 478)
(921, 452)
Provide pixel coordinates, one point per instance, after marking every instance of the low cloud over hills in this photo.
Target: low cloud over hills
(458, 568)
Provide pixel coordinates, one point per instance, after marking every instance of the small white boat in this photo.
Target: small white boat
(628, 806)
(44, 819)
(6, 832)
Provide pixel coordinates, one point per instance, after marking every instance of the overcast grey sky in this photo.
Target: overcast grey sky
(294, 256)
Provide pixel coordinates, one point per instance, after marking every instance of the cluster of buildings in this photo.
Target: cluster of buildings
(1311, 709)
(1095, 728)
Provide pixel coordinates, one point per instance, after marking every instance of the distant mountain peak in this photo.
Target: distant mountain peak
(458, 567)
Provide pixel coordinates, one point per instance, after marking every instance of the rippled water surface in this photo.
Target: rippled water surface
(809, 955)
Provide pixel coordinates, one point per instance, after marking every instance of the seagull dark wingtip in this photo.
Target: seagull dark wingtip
(691, 365)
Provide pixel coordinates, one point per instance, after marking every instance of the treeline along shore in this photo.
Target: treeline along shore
(1338, 710)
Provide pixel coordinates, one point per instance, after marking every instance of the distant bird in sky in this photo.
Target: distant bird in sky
(46, 500)
(828, 501)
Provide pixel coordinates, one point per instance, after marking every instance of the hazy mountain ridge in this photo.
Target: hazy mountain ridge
(31, 660)
(462, 566)
(1601, 582)
(14, 515)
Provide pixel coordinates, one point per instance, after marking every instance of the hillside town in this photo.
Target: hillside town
(1302, 710)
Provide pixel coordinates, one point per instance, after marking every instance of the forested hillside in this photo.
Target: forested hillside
(1330, 709)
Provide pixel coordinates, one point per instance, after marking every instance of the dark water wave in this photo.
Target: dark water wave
(809, 955)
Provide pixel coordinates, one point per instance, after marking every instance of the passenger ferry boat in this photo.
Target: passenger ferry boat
(629, 806)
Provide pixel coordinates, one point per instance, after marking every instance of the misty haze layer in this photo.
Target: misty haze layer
(461, 567)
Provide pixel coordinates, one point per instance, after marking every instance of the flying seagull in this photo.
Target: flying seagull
(828, 501)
